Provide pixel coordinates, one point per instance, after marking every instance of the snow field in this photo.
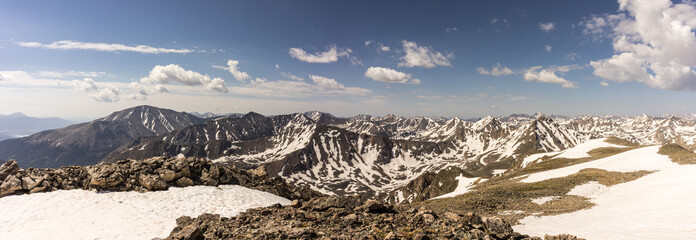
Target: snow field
(81, 214)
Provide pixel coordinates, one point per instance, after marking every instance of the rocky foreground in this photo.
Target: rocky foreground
(333, 217)
(148, 175)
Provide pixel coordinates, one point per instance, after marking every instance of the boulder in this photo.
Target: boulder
(8, 168)
(374, 206)
(498, 227)
(11, 185)
(152, 182)
(167, 175)
(184, 182)
(29, 183)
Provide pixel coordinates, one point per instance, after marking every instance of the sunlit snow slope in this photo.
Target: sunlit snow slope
(659, 205)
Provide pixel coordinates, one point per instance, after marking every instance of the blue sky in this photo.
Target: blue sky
(81, 60)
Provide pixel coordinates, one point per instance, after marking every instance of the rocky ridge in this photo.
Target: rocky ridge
(148, 175)
(335, 217)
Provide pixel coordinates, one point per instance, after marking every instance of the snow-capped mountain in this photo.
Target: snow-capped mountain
(87, 143)
(335, 156)
(372, 156)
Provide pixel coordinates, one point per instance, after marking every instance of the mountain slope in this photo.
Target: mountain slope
(87, 143)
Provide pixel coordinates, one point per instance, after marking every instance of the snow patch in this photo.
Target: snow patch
(81, 214)
(463, 186)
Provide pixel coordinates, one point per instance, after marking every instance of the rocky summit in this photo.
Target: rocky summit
(149, 175)
(334, 217)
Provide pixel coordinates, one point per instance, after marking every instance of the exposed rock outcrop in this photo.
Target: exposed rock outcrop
(147, 175)
(336, 217)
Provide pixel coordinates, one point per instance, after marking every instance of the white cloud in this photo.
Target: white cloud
(325, 82)
(86, 84)
(173, 73)
(329, 56)
(454, 29)
(277, 66)
(367, 43)
(104, 47)
(497, 70)
(417, 56)
(389, 75)
(605, 84)
(546, 27)
(548, 75)
(654, 41)
(234, 70)
(384, 48)
(547, 48)
(290, 76)
(55, 74)
(109, 94)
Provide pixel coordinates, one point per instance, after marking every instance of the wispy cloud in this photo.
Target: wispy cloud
(104, 47)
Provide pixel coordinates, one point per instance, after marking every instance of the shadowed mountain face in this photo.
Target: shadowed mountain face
(87, 143)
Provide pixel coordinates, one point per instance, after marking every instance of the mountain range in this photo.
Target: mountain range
(18, 125)
(393, 158)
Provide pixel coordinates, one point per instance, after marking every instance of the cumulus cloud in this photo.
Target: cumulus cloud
(454, 29)
(109, 94)
(329, 56)
(389, 75)
(497, 70)
(173, 73)
(419, 56)
(654, 43)
(605, 84)
(547, 27)
(547, 48)
(104, 47)
(548, 75)
(234, 70)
